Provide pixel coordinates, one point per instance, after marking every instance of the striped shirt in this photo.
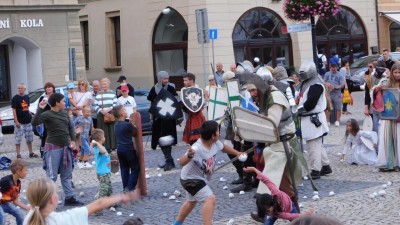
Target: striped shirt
(105, 100)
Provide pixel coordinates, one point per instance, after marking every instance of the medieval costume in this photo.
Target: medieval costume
(312, 103)
(194, 121)
(161, 126)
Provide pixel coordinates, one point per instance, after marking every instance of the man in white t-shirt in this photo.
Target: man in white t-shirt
(127, 101)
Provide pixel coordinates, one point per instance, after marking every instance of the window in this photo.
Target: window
(258, 33)
(114, 39)
(85, 41)
(394, 36)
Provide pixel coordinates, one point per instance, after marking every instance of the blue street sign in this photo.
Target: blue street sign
(213, 34)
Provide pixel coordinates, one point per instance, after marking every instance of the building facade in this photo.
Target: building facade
(389, 24)
(36, 38)
(139, 38)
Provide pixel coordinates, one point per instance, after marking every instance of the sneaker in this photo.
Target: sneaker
(71, 201)
(325, 170)
(80, 165)
(86, 165)
(337, 123)
(238, 180)
(242, 187)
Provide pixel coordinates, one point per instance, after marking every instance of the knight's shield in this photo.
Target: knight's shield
(165, 106)
(192, 98)
(218, 103)
(255, 127)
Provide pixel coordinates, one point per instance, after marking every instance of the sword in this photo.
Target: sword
(234, 159)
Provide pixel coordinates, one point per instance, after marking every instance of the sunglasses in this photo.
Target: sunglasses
(370, 67)
(70, 88)
(82, 84)
(211, 80)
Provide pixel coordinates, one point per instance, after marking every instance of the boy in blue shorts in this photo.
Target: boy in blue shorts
(85, 123)
(198, 166)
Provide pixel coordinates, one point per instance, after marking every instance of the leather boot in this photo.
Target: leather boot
(246, 186)
(325, 170)
(169, 163)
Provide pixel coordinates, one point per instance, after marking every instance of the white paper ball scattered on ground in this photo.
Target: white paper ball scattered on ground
(222, 161)
(243, 157)
(172, 197)
(384, 186)
(93, 141)
(165, 194)
(301, 205)
(177, 193)
(158, 168)
(331, 193)
(131, 214)
(339, 154)
(305, 178)
(147, 176)
(315, 198)
(231, 195)
(166, 11)
(119, 213)
(177, 201)
(80, 182)
(304, 196)
(382, 192)
(241, 192)
(82, 194)
(222, 179)
(375, 194)
(219, 162)
(256, 59)
(301, 185)
(93, 163)
(342, 160)
(389, 183)
(112, 209)
(159, 175)
(231, 222)
(371, 195)
(225, 187)
(315, 193)
(166, 140)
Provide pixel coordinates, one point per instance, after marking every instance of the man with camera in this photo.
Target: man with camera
(311, 104)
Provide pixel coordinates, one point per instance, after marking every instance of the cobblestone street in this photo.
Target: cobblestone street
(352, 185)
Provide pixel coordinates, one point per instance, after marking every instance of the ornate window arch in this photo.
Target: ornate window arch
(170, 43)
(258, 33)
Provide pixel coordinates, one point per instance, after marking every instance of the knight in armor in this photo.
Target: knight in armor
(311, 104)
(161, 126)
(280, 165)
(194, 120)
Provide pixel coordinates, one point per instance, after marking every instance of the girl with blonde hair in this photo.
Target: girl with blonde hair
(43, 197)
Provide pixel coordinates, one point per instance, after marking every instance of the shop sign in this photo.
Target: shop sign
(24, 23)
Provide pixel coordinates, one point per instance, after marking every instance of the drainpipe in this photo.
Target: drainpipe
(377, 25)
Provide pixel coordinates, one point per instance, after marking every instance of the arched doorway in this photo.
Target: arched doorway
(20, 62)
(258, 33)
(394, 30)
(344, 34)
(170, 46)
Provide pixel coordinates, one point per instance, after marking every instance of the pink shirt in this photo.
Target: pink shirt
(284, 200)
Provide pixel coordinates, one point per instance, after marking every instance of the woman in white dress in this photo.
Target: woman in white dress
(356, 149)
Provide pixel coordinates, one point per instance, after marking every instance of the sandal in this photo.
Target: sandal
(19, 156)
(33, 155)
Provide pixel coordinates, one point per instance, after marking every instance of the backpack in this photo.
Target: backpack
(321, 65)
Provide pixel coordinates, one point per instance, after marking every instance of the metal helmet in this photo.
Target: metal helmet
(265, 74)
(245, 66)
(307, 70)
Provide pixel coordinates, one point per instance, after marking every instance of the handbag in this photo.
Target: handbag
(108, 117)
(346, 97)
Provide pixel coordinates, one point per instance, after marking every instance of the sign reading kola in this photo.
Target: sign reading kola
(24, 23)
